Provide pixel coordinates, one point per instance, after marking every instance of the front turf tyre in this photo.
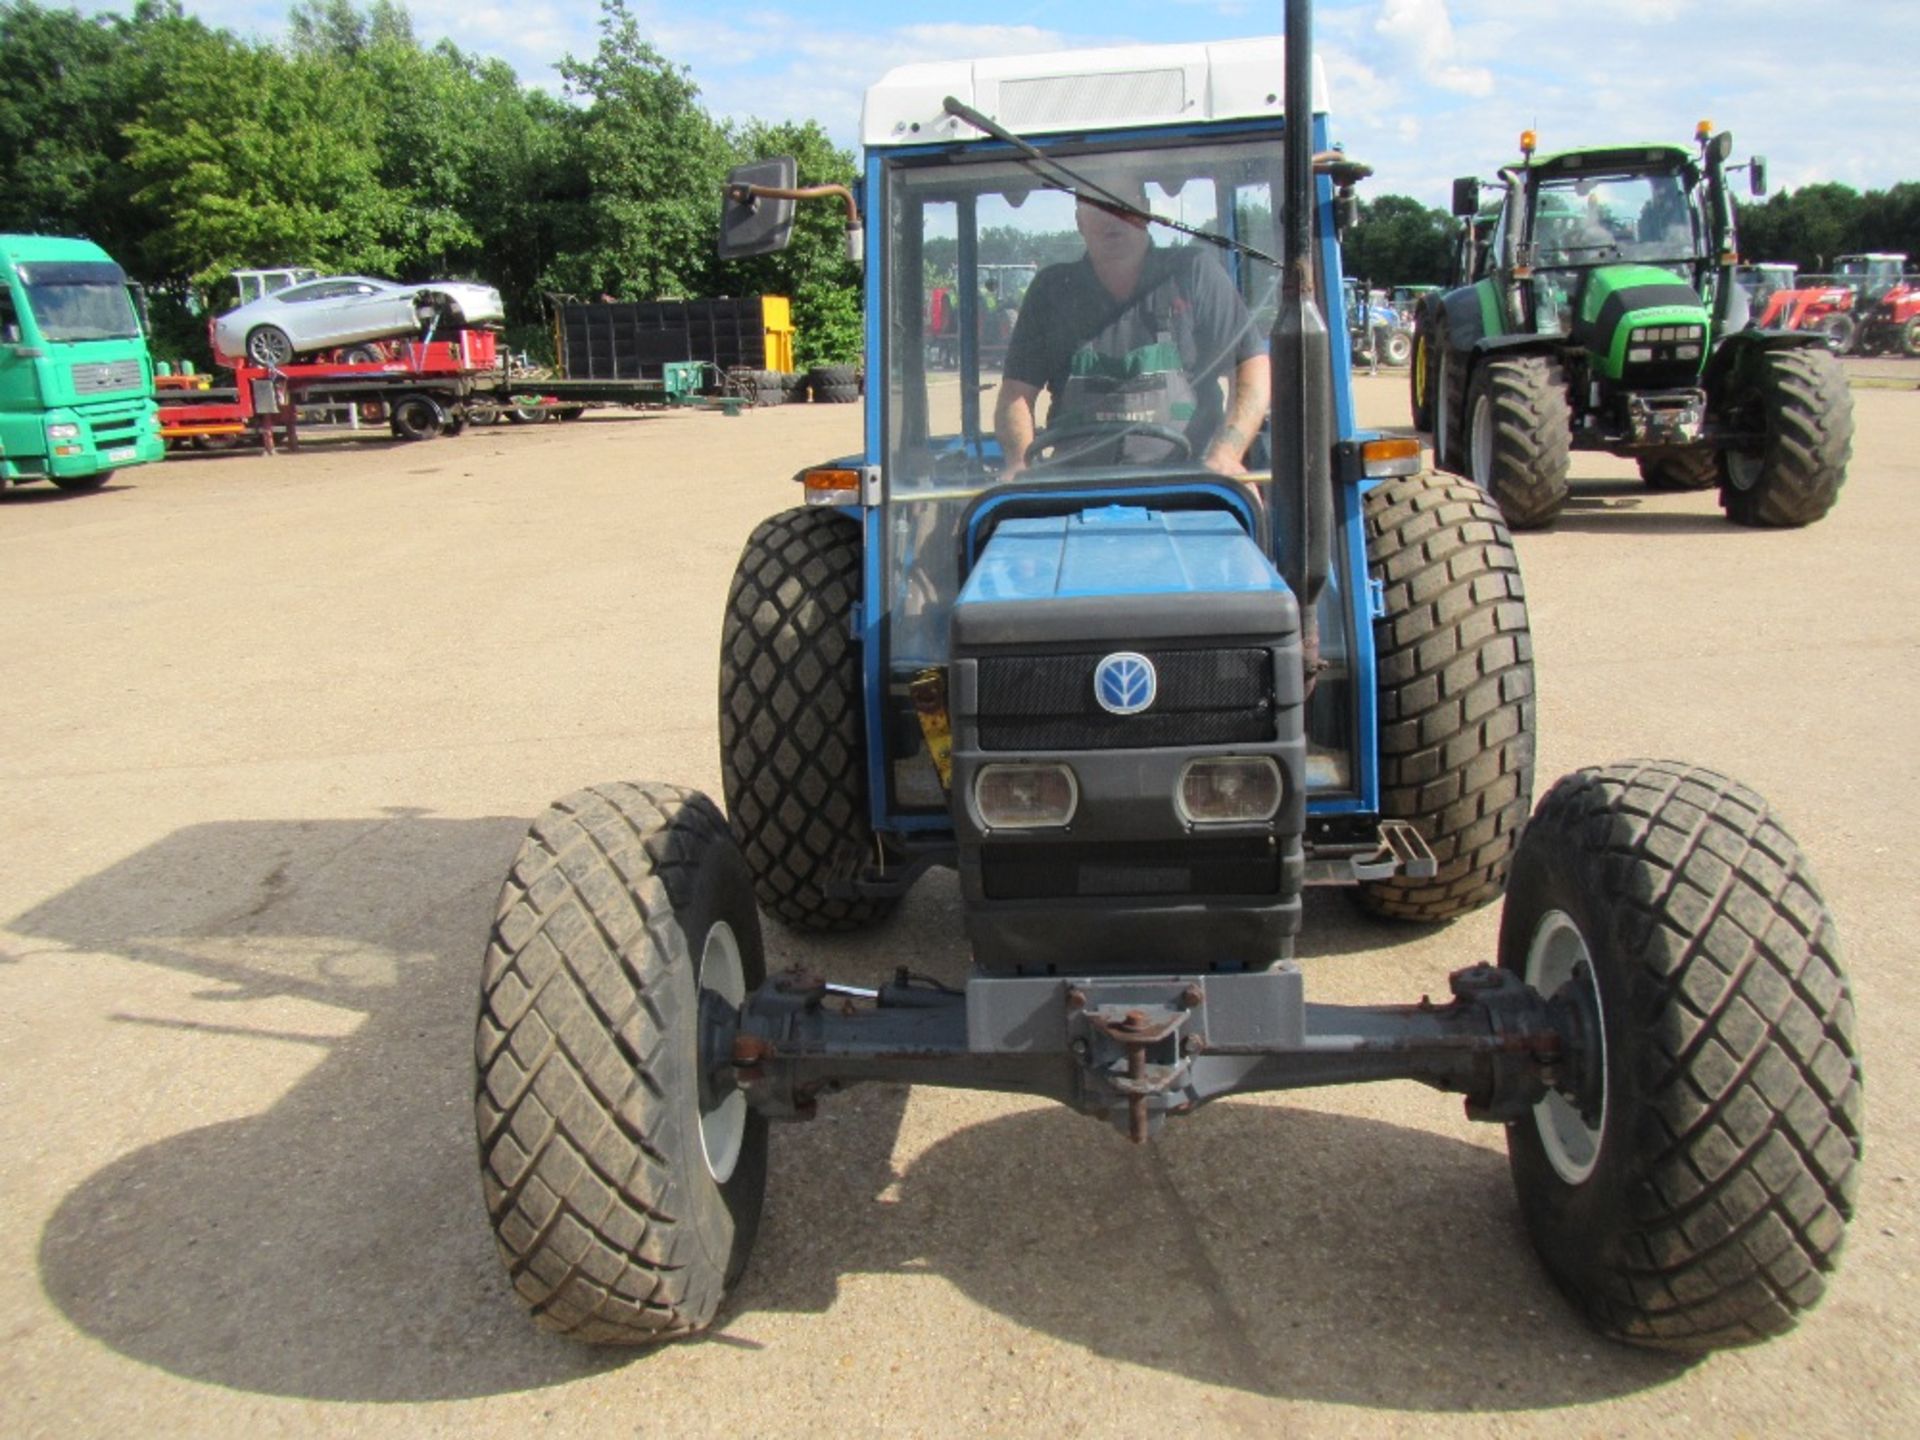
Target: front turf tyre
(1519, 435)
(623, 1189)
(1910, 337)
(1695, 469)
(1697, 1194)
(1838, 331)
(1398, 348)
(1455, 663)
(1798, 403)
(793, 754)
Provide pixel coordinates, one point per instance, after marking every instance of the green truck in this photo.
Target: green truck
(76, 380)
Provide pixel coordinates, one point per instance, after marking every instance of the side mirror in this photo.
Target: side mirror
(1757, 174)
(757, 224)
(1466, 197)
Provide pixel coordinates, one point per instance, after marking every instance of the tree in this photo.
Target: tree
(1399, 241)
(653, 162)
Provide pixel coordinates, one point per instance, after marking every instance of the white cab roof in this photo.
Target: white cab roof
(1075, 90)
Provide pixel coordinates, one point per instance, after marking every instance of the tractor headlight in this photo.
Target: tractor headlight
(1640, 354)
(1688, 352)
(1025, 797)
(1239, 788)
(63, 432)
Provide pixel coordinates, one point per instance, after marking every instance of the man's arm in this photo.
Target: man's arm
(1246, 408)
(1013, 423)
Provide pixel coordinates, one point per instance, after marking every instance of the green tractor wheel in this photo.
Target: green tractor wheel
(1697, 469)
(1797, 401)
(1519, 436)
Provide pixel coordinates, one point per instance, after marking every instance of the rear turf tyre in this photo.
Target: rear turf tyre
(1798, 401)
(1450, 408)
(1519, 437)
(1696, 469)
(624, 1193)
(1455, 662)
(1699, 1197)
(793, 755)
(1420, 376)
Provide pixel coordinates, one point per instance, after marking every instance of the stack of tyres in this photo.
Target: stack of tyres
(834, 384)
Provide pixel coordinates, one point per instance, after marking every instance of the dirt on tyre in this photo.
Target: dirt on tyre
(623, 1191)
(792, 720)
(834, 384)
(1798, 403)
(1694, 469)
(1696, 1191)
(1519, 437)
(1456, 696)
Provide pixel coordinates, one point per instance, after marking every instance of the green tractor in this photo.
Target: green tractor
(1599, 310)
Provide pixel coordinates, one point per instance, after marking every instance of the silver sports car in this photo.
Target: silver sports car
(344, 310)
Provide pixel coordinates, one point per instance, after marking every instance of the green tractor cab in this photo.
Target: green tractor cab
(1599, 306)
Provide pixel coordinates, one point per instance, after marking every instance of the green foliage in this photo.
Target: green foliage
(1816, 224)
(1399, 241)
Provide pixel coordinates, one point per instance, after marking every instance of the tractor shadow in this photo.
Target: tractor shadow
(1621, 507)
(333, 1246)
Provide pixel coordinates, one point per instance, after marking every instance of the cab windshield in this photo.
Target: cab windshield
(80, 300)
(1582, 220)
(977, 241)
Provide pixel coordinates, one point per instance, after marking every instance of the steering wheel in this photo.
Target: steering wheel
(1048, 444)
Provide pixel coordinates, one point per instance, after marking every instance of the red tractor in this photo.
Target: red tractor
(1870, 304)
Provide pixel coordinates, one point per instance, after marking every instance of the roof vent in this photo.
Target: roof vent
(1064, 100)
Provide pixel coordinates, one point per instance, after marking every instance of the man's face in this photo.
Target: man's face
(1110, 234)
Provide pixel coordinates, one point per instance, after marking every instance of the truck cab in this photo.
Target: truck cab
(76, 379)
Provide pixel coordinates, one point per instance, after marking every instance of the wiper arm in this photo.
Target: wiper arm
(1082, 188)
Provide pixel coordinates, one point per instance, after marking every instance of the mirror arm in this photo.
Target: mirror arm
(743, 194)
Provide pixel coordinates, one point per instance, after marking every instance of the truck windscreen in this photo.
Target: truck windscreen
(80, 300)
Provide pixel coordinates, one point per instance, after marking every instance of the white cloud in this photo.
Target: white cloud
(1422, 31)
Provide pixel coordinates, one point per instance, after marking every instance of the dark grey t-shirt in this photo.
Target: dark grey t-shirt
(1069, 323)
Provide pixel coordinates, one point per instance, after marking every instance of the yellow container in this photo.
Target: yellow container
(776, 314)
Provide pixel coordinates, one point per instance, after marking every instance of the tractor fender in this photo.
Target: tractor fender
(1732, 349)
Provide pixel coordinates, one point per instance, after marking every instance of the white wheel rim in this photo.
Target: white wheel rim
(723, 1125)
(1556, 955)
(1481, 442)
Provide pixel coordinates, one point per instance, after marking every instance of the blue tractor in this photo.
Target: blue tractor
(1140, 705)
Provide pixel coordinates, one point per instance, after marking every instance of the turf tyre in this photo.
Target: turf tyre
(1519, 437)
(1397, 349)
(627, 909)
(1799, 402)
(1910, 337)
(1838, 331)
(1456, 696)
(1693, 469)
(793, 757)
(1702, 1200)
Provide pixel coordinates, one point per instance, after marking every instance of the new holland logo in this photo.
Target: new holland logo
(1124, 683)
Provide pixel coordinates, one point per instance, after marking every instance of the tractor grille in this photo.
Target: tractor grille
(1046, 702)
(115, 375)
(1130, 870)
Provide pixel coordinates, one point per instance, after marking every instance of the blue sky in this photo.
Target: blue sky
(1422, 89)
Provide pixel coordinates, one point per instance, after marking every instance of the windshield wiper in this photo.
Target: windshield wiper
(1082, 188)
